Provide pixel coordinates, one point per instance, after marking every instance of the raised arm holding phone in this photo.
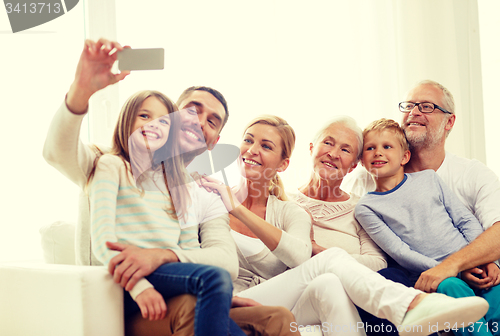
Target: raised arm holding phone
(64, 151)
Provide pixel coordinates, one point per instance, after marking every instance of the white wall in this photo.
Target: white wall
(489, 28)
(310, 62)
(36, 69)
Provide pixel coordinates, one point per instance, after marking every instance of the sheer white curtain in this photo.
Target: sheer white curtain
(490, 63)
(439, 40)
(310, 62)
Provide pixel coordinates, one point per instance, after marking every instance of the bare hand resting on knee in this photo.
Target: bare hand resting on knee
(152, 304)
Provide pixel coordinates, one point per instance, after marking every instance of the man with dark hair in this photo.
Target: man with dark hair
(186, 93)
(65, 152)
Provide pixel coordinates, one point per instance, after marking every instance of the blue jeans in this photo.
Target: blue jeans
(212, 287)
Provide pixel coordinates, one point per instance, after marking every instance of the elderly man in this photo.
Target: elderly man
(66, 153)
(428, 117)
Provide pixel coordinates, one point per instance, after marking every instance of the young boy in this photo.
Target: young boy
(416, 219)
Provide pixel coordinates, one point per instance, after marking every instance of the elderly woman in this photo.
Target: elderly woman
(335, 151)
(272, 235)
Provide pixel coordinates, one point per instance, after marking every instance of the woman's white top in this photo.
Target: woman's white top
(248, 246)
(334, 225)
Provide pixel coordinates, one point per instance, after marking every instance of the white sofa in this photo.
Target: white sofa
(58, 298)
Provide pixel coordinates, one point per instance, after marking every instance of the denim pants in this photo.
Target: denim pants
(212, 287)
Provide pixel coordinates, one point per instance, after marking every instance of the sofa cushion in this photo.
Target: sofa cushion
(58, 243)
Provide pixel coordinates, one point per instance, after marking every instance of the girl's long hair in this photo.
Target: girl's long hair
(287, 135)
(166, 160)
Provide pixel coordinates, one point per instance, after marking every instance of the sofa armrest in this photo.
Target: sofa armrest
(57, 300)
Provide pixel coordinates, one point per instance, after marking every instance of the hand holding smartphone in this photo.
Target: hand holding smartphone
(141, 59)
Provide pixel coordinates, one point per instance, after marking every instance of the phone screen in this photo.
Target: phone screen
(141, 59)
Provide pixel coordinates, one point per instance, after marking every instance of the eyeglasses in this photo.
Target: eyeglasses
(407, 107)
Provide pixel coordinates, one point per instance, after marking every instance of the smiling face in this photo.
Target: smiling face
(426, 129)
(151, 126)
(203, 124)
(191, 138)
(261, 153)
(383, 155)
(335, 152)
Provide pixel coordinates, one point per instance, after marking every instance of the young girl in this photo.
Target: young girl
(131, 203)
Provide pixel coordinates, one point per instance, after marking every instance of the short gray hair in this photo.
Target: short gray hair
(448, 101)
(348, 122)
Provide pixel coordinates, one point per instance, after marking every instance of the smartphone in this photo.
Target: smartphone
(141, 59)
